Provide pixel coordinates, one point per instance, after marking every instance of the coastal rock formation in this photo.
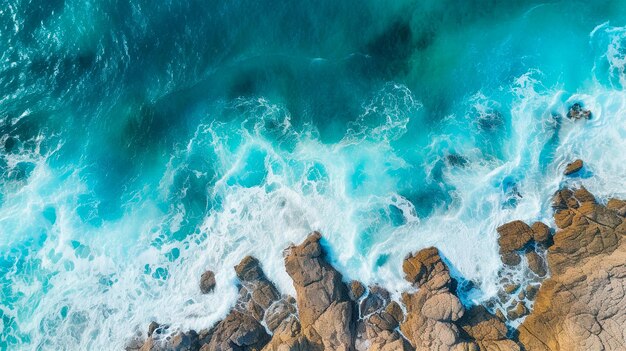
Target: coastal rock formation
(436, 319)
(514, 236)
(580, 306)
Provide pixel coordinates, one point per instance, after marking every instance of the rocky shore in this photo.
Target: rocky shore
(581, 305)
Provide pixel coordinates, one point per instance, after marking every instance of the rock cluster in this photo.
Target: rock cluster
(581, 306)
(576, 111)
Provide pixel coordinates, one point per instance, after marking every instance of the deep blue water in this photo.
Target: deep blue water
(144, 142)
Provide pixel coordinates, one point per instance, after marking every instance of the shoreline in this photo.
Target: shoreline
(586, 258)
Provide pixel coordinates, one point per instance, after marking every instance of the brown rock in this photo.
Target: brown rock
(395, 311)
(576, 111)
(356, 290)
(518, 311)
(207, 282)
(238, 331)
(443, 307)
(531, 291)
(324, 306)
(536, 263)
(511, 288)
(249, 269)
(152, 327)
(541, 233)
(582, 306)
(426, 267)
(376, 300)
(514, 236)
(573, 167)
(510, 258)
(617, 206)
(487, 330)
(428, 324)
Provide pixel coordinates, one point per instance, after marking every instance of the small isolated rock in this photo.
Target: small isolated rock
(207, 282)
(576, 111)
(573, 167)
(511, 288)
(536, 264)
(356, 290)
(514, 236)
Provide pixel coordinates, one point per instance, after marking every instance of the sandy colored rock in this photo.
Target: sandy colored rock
(356, 290)
(486, 330)
(428, 324)
(427, 268)
(443, 307)
(582, 306)
(510, 288)
(617, 206)
(324, 305)
(513, 236)
(573, 167)
(541, 233)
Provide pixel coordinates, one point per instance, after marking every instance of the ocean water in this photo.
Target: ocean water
(144, 142)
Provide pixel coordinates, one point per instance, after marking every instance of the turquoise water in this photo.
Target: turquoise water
(143, 143)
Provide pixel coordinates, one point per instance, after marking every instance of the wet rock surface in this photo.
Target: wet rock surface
(573, 167)
(576, 111)
(581, 305)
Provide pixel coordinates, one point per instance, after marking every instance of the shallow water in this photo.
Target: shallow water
(144, 143)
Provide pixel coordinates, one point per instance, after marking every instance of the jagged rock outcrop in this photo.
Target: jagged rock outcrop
(582, 306)
(488, 331)
(435, 316)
